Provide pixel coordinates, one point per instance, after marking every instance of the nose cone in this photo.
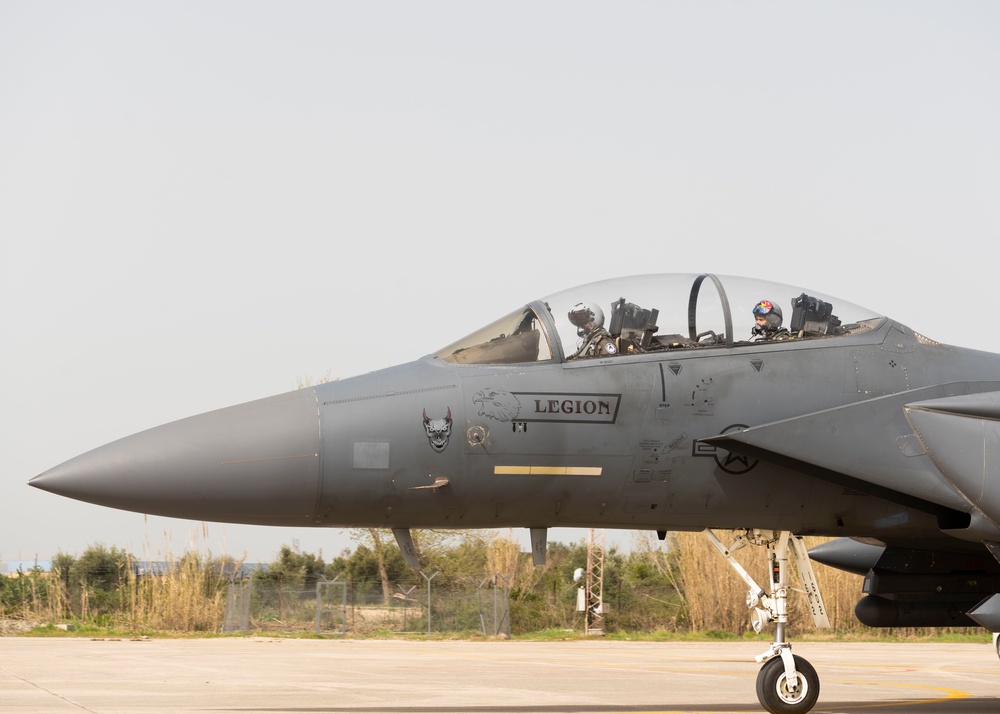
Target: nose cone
(253, 463)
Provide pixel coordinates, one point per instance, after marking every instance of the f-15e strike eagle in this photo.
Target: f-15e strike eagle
(676, 412)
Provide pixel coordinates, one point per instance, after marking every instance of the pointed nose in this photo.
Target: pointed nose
(257, 462)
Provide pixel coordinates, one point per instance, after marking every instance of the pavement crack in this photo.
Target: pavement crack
(47, 691)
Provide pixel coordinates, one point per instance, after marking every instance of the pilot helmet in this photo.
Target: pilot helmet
(770, 312)
(586, 317)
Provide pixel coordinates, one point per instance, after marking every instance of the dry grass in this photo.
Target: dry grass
(189, 597)
(186, 595)
(715, 596)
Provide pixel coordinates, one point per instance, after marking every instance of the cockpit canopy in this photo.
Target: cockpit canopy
(652, 313)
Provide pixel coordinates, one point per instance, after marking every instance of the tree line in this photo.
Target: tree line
(679, 586)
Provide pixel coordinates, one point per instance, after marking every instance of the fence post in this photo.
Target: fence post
(428, 598)
(479, 603)
(319, 607)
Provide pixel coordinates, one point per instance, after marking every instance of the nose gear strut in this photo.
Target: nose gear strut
(786, 684)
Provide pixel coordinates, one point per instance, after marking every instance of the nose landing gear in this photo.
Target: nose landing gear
(787, 683)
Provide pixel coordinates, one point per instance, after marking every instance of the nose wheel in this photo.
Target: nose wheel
(786, 684)
(779, 694)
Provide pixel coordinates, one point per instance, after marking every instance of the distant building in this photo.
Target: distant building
(142, 568)
(229, 571)
(14, 568)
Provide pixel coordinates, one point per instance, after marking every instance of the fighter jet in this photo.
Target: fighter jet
(659, 402)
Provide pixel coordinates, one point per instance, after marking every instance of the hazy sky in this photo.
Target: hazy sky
(201, 203)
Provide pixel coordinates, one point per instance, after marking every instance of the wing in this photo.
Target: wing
(961, 436)
(871, 446)
(935, 449)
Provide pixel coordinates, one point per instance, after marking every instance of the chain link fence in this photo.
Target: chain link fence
(334, 607)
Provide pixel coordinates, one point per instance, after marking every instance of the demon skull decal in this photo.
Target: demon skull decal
(438, 431)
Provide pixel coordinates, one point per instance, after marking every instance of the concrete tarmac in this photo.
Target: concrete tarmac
(260, 675)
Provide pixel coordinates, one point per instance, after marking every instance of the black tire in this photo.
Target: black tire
(773, 693)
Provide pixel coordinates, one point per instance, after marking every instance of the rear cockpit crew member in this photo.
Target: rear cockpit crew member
(768, 327)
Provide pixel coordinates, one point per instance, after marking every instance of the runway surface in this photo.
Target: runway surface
(56, 676)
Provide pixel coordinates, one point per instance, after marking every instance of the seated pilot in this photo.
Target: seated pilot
(768, 327)
(595, 341)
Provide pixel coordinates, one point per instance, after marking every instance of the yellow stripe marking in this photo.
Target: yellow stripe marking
(948, 694)
(548, 470)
